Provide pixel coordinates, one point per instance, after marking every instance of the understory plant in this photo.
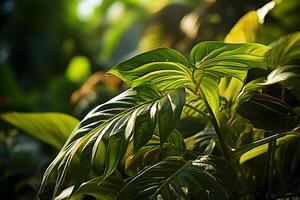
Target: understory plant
(243, 96)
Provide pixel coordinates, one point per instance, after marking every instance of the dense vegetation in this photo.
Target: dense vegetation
(220, 121)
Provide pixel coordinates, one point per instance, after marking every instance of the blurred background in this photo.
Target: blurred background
(54, 54)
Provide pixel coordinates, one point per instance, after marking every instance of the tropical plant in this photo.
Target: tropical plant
(133, 146)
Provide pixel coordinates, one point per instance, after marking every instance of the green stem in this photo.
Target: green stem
(269, 168)
(218, 131)
(197, 87)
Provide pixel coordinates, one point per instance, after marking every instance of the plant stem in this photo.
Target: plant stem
(269, 169)
(218, 132)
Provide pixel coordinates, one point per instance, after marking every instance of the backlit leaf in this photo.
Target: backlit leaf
(117, 120)
(51, 128)
(164, 68)
(284, 50)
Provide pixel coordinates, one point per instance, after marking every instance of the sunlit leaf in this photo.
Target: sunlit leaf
(285, 50)
(245, 30)
(51, 128)
(164, 68)
(117, 120)
(228, 59)
(260, 150)
(223, 60)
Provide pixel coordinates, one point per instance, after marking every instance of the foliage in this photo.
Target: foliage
(188, 127)
(161, 81)
(52, 128)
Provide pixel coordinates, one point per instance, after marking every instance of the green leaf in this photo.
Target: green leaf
(210, 93)
(257, 151)
(284, 51)
(225, 59)
(213, 60)
(194, 107)
(97, 187)
(228, 56)
(153, 152)
(288, 76)
(164, 68)
(203, 142)
(168, 108)
(250, 88)
(175, 178)
(51, 128)
(245, 30)
(117, 120)
(268, 113)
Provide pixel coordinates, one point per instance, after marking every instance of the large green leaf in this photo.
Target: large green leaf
(175, 178)
(268, 113)
(284, 50)
(131, 116)
(225, 59)
(164, 68)
(245, 30)
(168, 69)
(213, 60)
(51, 128)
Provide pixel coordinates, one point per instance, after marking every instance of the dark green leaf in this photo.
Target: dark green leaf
(288, 76)
(203, 142)
(268, 113)
(153, 152)
(175, 178)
